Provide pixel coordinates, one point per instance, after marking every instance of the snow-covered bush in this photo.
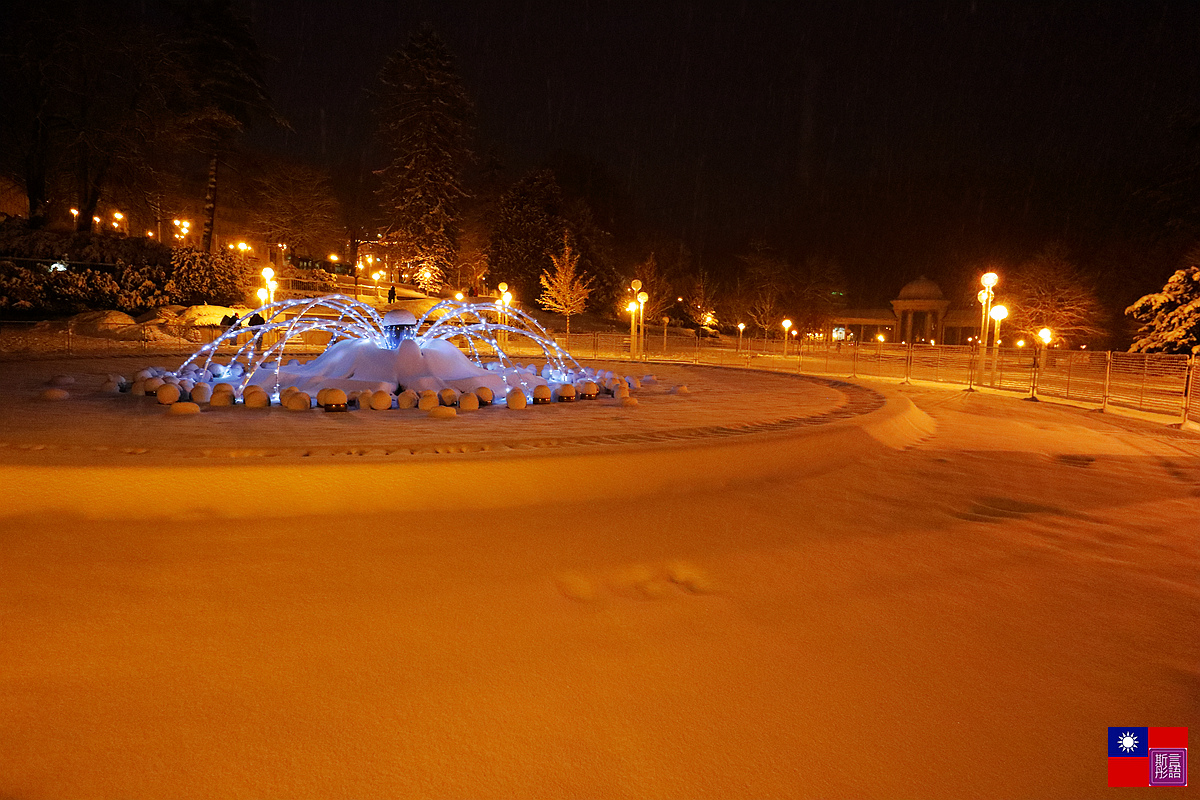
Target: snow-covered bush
(198, 277)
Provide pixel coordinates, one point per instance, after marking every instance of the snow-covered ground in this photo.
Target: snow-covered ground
(950, 595)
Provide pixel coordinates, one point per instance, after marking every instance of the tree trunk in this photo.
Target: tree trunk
(353, 263)
(35, 177)
(210, 206)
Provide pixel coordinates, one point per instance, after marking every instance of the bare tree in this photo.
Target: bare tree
(565, 292)
(657, 287)
(700, 300)
(766, 284)
(1048, 291)
(295, 206)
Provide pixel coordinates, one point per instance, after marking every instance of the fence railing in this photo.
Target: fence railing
(1151, 382)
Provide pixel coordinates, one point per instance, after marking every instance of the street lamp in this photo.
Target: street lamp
(267, 275)
(741, 327)
(642, 298)
(787, 325)
(636, 286)
(1040, 343)
(998, 313)
(262, 296)
(632, 309)
(376, 276)
(988, 281)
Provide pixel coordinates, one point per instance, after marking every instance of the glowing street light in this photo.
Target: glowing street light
(263, 294)
(787, 325)
(375, 276)
(741, 327)
(998, 313)
(458, 296)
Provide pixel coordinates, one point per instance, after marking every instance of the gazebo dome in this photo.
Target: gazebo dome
(921, 289)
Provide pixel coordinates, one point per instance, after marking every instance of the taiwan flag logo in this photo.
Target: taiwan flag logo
(1147, 756)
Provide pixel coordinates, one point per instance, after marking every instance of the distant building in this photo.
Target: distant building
(920, 314)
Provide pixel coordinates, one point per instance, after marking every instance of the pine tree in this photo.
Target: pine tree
(425, 119)
(528, 225)
(1170, 319)
(224, 58)
(565, 291)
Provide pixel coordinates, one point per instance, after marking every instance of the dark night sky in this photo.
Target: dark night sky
(900, 138)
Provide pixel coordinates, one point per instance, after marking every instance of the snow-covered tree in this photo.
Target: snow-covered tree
(425, 126)
(199, 277)
(1170, 319)
(564, 290)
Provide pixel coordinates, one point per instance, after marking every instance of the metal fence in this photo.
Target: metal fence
(1151, 382)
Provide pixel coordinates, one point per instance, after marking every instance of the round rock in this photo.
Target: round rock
(380, 401)
(407, 399)
(298, 401)
(167, 394)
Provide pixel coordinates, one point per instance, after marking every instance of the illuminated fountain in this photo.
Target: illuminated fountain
(367, 351)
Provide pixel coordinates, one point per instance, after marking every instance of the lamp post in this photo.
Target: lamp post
(262, 296)
(636, 286)
(267, 275)
(787, 325)
(1040, 343)
(665, 320)
(632, 309)
(988, 281)
(376, 275)
(642, 298)
(997, 313)
(741, 327)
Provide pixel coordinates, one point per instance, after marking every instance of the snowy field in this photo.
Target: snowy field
(770, 586)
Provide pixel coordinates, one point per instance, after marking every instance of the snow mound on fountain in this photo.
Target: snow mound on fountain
(360, 364)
